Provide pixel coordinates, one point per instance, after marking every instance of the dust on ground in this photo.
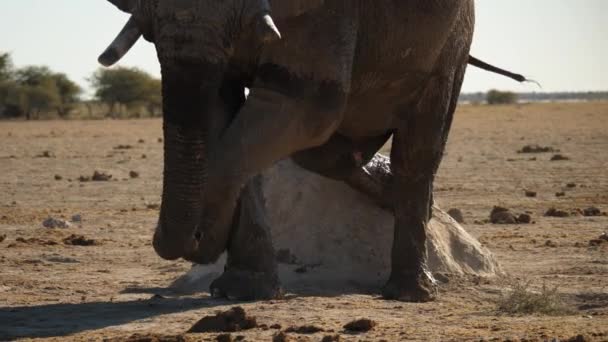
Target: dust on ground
(113, 285)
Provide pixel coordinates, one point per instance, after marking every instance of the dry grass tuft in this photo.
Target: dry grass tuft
(522, 300)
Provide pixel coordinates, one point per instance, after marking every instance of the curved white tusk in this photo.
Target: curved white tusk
(125, 40)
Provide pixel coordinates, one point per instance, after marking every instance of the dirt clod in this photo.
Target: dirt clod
(559, 157)
(53, 223)
(304, 329)
(592, 211)
(101, 177)
(537, 149)
(557, 213)
(134, 174)
(457, 215)
(46, 154)
(360, 325)
(224, 338)
(235, 319)
(58, 177)
(79, 240)
(281, 337)
(500, 215)
(148, 338)
(123, 147)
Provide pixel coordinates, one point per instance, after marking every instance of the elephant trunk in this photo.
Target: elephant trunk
(187, 100)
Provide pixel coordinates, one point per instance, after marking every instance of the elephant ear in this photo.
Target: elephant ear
(282, 9)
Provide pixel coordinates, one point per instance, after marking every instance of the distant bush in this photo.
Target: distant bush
(497, 97)
(127, 88)
(29, 91)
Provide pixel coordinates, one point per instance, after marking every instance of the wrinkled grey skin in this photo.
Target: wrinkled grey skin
(341, 79)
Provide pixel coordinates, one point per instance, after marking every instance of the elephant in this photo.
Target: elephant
(330, 82)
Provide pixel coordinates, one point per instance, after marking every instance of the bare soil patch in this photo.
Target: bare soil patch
(54, 291)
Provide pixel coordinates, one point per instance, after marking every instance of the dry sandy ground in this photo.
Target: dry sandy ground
(56, 291)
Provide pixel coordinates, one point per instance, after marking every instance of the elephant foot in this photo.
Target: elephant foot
(246, 286)
(419, 287)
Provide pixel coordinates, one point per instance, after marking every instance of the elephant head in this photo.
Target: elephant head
(195, 42)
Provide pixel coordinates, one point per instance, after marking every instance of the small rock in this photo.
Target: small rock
(551, 244)
(304, 329)
(500, 215)
(52, 223)
(360, 325)
(457, 215)
(275, 326)
(531, 193)
(101, 177)
(281, 337)
(560, 194)
(143, 156)
(134, 174)
(556, 213)
(592, 211)
(160, 140)
(79, 240)
(141, 141)
(84, 179)
(559, 157)
(331, 338)
(571, 185)
(232, 320)
(537, 149)
(58, 177)
(123, 147)
(2, 238)
(153, 206)
(77, 218)
(524, 218)
(46, 154)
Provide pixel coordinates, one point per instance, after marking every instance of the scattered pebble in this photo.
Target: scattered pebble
(275, 326)
(134, 174)
(53, 223)
(571, 185)
(331, 338)
(360, 325)
(592, 211)
(123, 147)
(537, 149)
(160, 140)
(457, 215)
(500, 215)
(557, 213)
(58, 177)
(551, 244)
(79, 240)
(141, 141)
(77, 218)
(531, 193)
(232, 320)
(281, 337)
(304, 329)
(560, 194)
(2, 238)
(559, 157)
(46, 154)
(101, 177)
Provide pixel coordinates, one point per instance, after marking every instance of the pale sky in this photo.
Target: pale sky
(561, 43)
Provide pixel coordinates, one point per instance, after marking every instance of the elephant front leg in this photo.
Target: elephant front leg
(251, 270)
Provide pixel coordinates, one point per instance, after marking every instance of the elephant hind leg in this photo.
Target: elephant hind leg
(418, 147)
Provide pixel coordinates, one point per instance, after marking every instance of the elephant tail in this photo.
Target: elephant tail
(488, 67)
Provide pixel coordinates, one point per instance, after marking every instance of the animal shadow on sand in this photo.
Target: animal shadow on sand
(54, 320)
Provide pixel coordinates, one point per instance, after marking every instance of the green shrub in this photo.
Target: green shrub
(497, 97)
